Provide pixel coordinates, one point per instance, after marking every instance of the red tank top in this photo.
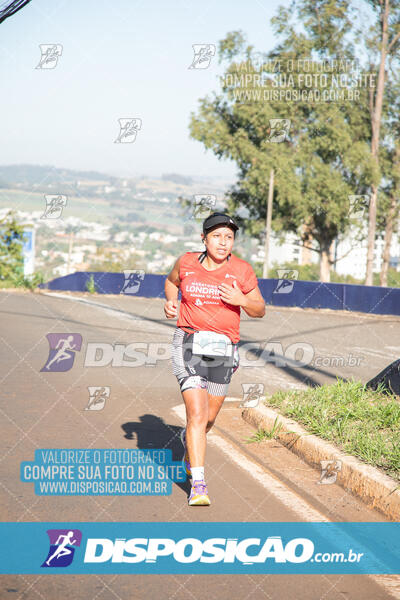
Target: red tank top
(201, 307)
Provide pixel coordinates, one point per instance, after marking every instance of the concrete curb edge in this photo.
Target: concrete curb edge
(376, 489)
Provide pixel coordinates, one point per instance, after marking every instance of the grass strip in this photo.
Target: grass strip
(361, 422)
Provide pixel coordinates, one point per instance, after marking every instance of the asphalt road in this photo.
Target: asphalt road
(263, 483)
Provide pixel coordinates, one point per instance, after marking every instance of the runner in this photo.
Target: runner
(214, 285)
(62, 353)
(62, 549)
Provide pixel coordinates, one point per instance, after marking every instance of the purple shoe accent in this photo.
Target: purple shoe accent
(199, 494)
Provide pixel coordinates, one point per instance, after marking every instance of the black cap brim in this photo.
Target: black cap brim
(213, 221)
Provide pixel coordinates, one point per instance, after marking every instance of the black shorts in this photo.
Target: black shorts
(202, 372)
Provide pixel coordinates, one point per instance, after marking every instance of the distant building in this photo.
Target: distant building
(352, 254)
(355, 255)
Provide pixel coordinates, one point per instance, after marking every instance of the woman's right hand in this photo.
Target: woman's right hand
(171, 309)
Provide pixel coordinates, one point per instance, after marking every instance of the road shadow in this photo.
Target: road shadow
(301, 373)
(153, 433)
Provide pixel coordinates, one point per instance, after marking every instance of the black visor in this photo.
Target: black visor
(218, 218)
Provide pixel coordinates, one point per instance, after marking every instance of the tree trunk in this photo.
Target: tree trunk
(376, 124)
(305, 257)
(268, 224)
(325, 263)
(70, 243)
(388, 241)
(371, 235)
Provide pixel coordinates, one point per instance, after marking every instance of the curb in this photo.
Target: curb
(376, 489)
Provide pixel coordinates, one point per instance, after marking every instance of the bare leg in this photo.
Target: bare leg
(214, 406)
(201, 411)
(196, 403)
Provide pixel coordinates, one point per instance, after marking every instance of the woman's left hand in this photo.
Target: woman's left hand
(231, 295)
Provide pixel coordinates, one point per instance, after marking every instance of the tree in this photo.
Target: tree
(389, 204)
(11, 242)
(388, 21)
(325, 157)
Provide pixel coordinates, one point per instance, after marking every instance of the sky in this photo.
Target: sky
(120, 59)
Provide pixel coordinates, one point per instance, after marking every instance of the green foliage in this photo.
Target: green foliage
(311, 273)
(29, 282)
(363, 423)
(326, 156)
(19, 280)
(11, 242)
(265, 434)
(90, 285)
(306, 272)
(393, 279)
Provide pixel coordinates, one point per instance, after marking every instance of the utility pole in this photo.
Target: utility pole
(268, 224)
(70, 242)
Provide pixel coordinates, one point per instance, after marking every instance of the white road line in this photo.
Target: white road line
(115, 312)
(294, 502)
(138, 320)
(291, 500)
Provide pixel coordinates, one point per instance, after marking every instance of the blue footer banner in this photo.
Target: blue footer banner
(206, 548)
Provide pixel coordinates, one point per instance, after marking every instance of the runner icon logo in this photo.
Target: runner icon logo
(128, 129)
(287, 277)
(359, 204)
(203, 205)
(49, 55)
(61, 551)
(279, 130)
(133, 280)
(329, 471)
(97, 397)
(54, 206)
(252, 393)
(203, 54)
(62, 351)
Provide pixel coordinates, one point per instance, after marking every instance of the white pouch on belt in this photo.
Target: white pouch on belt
(209, 343)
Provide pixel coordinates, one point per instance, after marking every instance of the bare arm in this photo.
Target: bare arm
(252, 303)
(171, 288)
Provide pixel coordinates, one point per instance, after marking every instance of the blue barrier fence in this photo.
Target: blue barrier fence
(284, 292)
